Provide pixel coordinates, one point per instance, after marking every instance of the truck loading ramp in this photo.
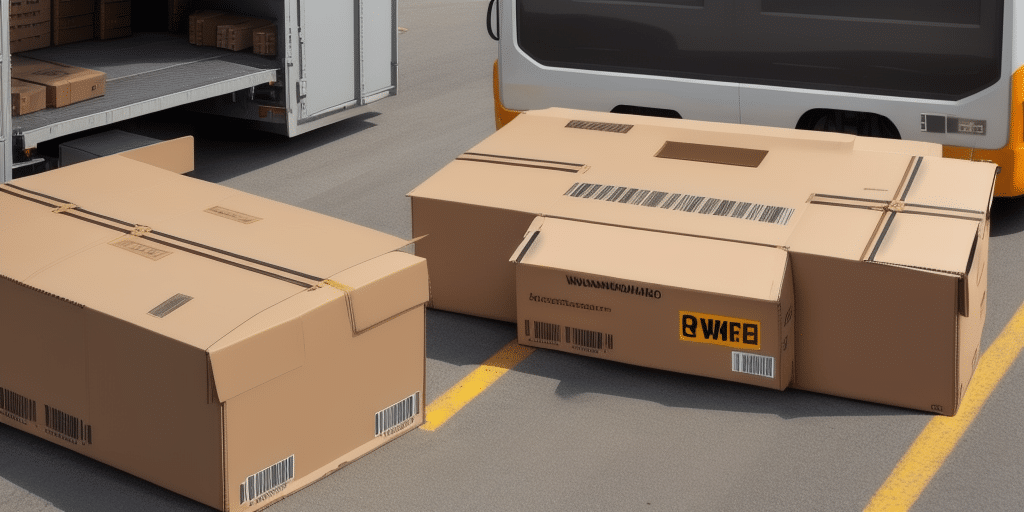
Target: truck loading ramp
(146, 73)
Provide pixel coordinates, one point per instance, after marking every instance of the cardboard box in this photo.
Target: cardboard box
(114, 19)
(224, 346)
(735, 183)
(110, 142)
(68, 8)
(619, 294)
(206, 23)
(64, 84)
(19, 7)
(239, 36)
(264, 40)
(26, 97)
(30, 37)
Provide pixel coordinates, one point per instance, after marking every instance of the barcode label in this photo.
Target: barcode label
(762, 366)
(682, 202)
(579, 338)
(18, 407)
(582, 338)
(395, 418)
(267, 482)
(67, 427)
(603, 127)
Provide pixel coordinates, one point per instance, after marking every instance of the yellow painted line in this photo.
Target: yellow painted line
(445, 406)
(924, 458)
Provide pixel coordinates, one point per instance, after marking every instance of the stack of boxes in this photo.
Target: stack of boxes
(73, 20)
(30, 25)
(240, 35)
(831, 263)
(232, 31)
(264, 41)
(114, 19)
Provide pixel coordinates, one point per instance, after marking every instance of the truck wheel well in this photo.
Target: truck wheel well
(846, 121)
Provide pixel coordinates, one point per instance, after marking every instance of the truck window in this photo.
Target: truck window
(934, 49)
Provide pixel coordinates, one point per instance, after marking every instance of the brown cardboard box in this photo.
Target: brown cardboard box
(64, 84)
(29, 25)
(239, 36)
(26, 97)
(68, 8)
(206, 26)
(729, 182)
(618, 294)
(212, 342)
(264, 40)
(30, 37)
(197, 20)
(114, 19)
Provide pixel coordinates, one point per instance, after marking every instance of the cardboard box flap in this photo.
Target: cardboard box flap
(33, 237)
(736, 269)
(383, 287)
(925, 241)
(267, 345)
(516, 188)
(167, 288)
(951, 186)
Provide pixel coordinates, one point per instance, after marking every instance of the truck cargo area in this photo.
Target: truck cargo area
(146, 72)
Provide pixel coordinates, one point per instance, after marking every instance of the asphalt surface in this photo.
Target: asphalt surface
(558, 432)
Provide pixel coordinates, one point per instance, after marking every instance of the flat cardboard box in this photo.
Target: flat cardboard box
(224, 346)
(264, 40)
(30, 37)
(28, 6)
(110, 142)
(239, 36)
(67, 8)
(618, 294)
(736, 183)
(26, 97)
(64, 84)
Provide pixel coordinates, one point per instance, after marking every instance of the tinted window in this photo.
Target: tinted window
(937, 49)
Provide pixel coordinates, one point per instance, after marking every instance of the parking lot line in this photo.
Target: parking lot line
(445, 406)
(924, 458)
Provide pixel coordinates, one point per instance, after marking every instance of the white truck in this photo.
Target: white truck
(333, 57)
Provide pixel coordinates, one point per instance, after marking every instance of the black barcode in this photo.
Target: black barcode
(268, 480)
(397, 414)
(762, 366)
(588, 339)
(604, 127)
(682, 202)
(545, 331)
(18, 406)
(67, 427)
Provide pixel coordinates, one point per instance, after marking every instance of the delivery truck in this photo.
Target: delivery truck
(315, 63)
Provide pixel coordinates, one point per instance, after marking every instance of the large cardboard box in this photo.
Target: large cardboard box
(239, 36)
(623, 294)
(221, 345)
(64, 84)
(26, 97)
(206, 23)
(114, 19)
(744, 184)
(73, 21)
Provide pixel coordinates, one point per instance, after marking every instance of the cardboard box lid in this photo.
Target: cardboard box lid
(189, 274)
(733, 182)
(49, 73)
(687, 262)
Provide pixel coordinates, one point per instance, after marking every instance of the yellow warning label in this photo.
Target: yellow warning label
(720, 330)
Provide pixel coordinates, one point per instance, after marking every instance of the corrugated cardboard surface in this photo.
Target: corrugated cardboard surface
(26, 97)
(239, 36)
(265, 40)
(64, 84)
(674, 302)
(251, 346)
(891, 217)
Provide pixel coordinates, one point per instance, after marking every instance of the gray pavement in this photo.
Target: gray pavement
(558, 432)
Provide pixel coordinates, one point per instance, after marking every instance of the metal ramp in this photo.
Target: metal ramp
(146, 73)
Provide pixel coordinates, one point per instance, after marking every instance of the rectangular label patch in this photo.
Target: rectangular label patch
(244, 218)
(264, 484)
(720, 330)
(133, 246)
